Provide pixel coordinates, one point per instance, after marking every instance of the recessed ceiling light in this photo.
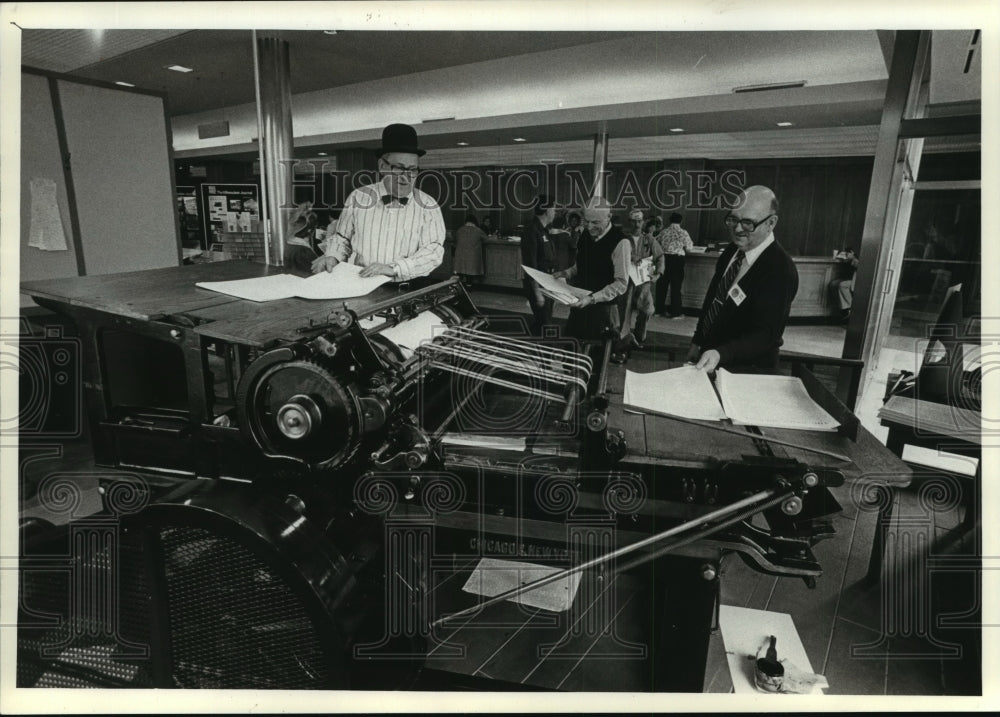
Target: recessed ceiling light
(676, 129)
(179, 68)
(321, 154)
(520, 139)
(124, 84)
(785, 124)
(462, 144)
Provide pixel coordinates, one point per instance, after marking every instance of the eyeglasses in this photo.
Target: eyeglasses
(400, 169)
(747, 225)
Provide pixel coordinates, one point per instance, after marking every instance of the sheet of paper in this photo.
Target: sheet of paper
(744, 631)
(684, 391)
(639, 273)
(343, 282)
(262, 288)
(492, 577)
(772, 401)
(408, 335)
(556, 288)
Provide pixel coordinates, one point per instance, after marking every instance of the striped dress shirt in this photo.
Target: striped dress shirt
(409, 238)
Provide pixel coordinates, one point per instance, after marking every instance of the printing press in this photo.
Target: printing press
(300, 488)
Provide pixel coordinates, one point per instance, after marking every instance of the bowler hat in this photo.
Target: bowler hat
(400, 138)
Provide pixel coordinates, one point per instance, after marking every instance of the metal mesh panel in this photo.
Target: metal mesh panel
(71, 637)
(234, 622)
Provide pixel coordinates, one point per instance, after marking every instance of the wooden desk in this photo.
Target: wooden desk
(812, 299)
(929, 425)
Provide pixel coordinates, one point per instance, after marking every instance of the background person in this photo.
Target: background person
(644, 246)
(300, 246)
(468, 261)
(843, 285)
(676, 243)
(538, 252)
(564, 242)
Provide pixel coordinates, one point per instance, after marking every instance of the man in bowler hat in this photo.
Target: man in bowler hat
(390, 227)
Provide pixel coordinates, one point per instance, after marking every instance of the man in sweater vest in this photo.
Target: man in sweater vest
(602, 261)
(750, 295)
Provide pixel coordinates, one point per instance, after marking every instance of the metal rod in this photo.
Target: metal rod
(472, 355)
(602, 383)
(624, 550)
(498, 381)
(451, 416)
(533, 350)
(696, 536)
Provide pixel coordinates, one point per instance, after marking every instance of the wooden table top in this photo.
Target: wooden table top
(151, 293)
(663, 440)
(155, 293)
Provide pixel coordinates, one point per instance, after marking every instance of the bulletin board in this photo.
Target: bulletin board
(229, 208)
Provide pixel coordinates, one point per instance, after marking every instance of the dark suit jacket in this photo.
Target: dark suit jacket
(536, 249)
(748, 336)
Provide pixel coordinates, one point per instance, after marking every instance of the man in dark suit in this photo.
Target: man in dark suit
(748, 300)
(538, 252)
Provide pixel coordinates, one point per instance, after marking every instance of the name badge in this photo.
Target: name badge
(737, 294)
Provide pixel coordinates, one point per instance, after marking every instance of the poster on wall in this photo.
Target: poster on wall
(230, 208)
(188, 218)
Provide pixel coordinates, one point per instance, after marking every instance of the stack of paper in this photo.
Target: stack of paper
(686, 392)
(773, 401)
(343, 282)
(641, 273)
(929, 417)
(556, 288)
(746, 399)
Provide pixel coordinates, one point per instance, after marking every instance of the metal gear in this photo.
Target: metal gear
(298, 409)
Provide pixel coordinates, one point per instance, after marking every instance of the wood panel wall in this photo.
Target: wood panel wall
(823, 200)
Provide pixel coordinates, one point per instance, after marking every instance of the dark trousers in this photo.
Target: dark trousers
(673, 277)
(542, 314)
(299, 257)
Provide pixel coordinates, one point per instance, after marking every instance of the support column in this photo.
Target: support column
(275, 113)
(868, 320)
(599, 189)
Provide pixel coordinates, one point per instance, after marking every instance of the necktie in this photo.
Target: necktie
(387, 198)
(720, 292)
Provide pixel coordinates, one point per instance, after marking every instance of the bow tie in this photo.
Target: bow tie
(387, 198)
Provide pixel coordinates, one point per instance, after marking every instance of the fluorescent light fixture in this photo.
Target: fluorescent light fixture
(124, 84)
(462, 144)
(329, 32)
(785, 124)
(321, 154)
(676, 129)
(520, 139)
(179, 68)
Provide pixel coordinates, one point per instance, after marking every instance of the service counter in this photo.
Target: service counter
(502, 259)
(814, 297)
